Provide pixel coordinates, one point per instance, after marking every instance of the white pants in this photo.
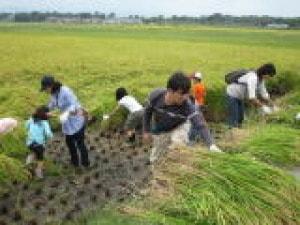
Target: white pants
(170, 140)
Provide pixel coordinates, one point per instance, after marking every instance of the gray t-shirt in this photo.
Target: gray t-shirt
(167, 117)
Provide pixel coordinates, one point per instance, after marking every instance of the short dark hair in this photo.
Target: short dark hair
(56, 87)
(40, 113)
(120, 93)
(266, 69)
(179, 81)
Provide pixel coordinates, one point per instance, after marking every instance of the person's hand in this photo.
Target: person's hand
(105, 116)
(51, 114)
(147, 137)
(215, 148)
(266, 110)
(64, 117)
(297, 117)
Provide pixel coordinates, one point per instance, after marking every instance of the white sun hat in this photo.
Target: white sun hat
(198, 75)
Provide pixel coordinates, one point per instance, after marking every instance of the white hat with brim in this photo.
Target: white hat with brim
(198, 75)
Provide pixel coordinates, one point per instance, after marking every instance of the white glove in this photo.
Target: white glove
(214, 148)
(64, 117)
(266, 110)
(105, 116)
(298, 116)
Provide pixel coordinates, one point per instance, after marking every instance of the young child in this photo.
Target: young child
(136, 112)
(38, 132)
(199, 90)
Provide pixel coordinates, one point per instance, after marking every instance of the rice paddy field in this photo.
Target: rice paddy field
(252, 183)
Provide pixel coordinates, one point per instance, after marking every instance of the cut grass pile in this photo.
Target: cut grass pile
(276, 144)
(235, 189)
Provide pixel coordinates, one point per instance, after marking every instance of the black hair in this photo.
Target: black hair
(266, 69)
(56, 87)
(120, 93)
(179, 81)
(40, 113)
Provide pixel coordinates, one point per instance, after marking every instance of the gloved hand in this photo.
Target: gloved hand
(297, 116)
(105, 116)
(64, 116)
(266, 110)
(214, 148)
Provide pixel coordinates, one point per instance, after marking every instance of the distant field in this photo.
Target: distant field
(95, 60)
(247, 185)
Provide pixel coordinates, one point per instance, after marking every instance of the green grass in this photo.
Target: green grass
(235, 189)
(112, 216)
(95, 60)
(274, 144)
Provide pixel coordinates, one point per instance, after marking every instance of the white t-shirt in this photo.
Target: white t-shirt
(130, 103)
(248, 87)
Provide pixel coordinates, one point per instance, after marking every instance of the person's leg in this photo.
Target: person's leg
(179, 136)
(70, 141)
(241, 112)
(30, 158)
(232, 111)
(82, 147)
(39, 153)
(160, 146)
(130, 127)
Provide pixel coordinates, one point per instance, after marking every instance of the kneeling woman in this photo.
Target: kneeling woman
(72, 118)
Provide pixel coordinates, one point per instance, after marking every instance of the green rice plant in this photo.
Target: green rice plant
(113, 217)
(11, 170)
(275, 144)
(236, 189)
(13, 144)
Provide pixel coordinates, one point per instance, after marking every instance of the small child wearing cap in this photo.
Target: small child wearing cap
(38, 133)
(199, 90)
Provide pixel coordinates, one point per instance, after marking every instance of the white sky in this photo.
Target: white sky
(156, 7)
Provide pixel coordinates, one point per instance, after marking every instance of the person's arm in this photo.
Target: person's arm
(251, 89)
(147, 118)
(264, 95)
(48, 132)
(52, 104)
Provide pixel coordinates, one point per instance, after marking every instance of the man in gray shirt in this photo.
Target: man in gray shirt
(169, 108)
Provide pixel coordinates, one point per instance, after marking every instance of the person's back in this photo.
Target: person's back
(248, 87)
(130, 103)
(38, 131)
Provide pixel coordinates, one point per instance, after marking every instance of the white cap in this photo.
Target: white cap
(198, 75)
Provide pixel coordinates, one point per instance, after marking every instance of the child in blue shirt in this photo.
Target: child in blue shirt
(38, 133)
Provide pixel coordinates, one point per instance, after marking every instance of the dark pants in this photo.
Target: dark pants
(38, 150)
(236, 111)
(75, 142)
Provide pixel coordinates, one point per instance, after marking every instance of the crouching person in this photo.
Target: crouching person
(134, 120)
(72, 118)
(169, 109)
(248, 85)
(38, 132)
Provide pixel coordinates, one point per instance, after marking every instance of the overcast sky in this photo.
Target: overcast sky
(287, 8)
